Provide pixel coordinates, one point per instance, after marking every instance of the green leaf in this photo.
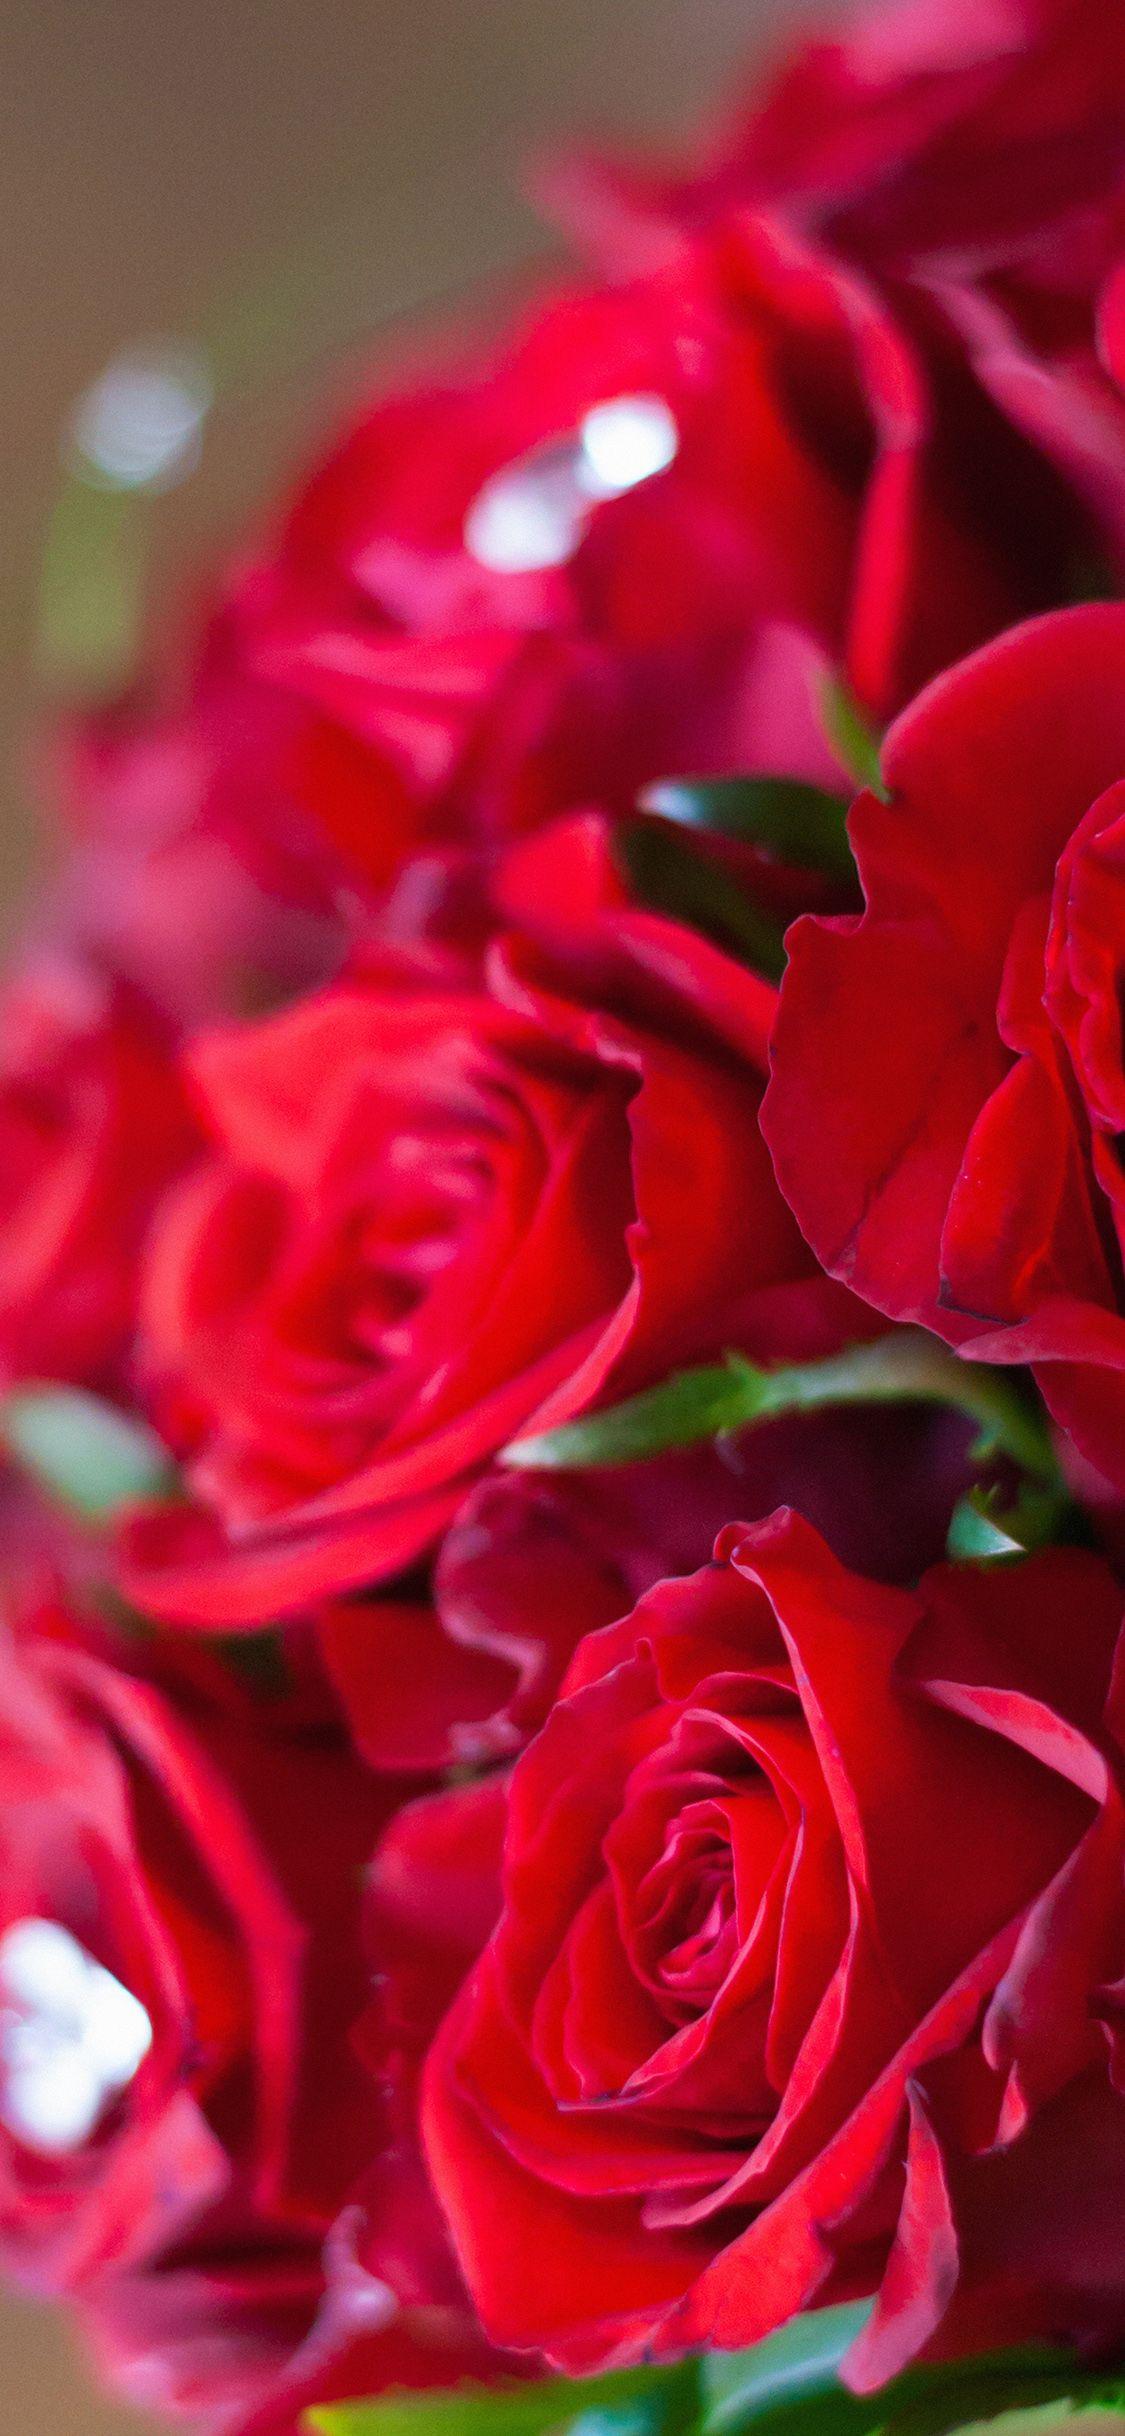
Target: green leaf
(630, 2402)
(786, 817)
(907, 1367)
(791, 2382)
(668, 876)
(646, 2416)
(851, 736)
(788, 2385)
(795, 2370)
(82, 1452)
(1001, 2394)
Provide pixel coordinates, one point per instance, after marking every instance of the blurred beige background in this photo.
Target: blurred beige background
(158, 154)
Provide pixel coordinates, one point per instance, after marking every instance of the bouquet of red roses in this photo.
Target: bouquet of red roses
(562, 1331)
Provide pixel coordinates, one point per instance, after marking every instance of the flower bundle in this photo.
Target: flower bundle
(562, 1339)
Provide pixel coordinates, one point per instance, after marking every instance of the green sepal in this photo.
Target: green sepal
(83, 1453)
(907, 1367)
(985, 1528)
(686, 1409)
(787, 818)
(258, 1661)
(667, 875)
(851, 735)
(1090, 577)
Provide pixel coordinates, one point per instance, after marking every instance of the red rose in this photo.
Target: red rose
(617, 544)
(445, 1205)
(532, 1562)
(861, 397)
(485, 627)
(811, 1892)
(432, 1900)
(959, 171)
(92, 1126)
(181, 1968)
(949, 138)
(961, 1165)
(859, 400)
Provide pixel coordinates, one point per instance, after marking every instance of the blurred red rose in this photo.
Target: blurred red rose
(859, 396)
(93, 1124)
(852, 397)
(810, 1892)
(615, 543)
(948, 137)
(181, 1968)
(449, 1202)
(243, 2344)
(188, 871)
(958, 170)
(961, 1165)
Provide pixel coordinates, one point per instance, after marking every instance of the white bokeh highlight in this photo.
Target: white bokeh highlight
(533, 514)
(139, 426)
(71, 2037)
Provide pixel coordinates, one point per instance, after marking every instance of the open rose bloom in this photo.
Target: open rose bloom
(562, 1338)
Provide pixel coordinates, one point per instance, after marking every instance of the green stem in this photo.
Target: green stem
(907, 1367)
